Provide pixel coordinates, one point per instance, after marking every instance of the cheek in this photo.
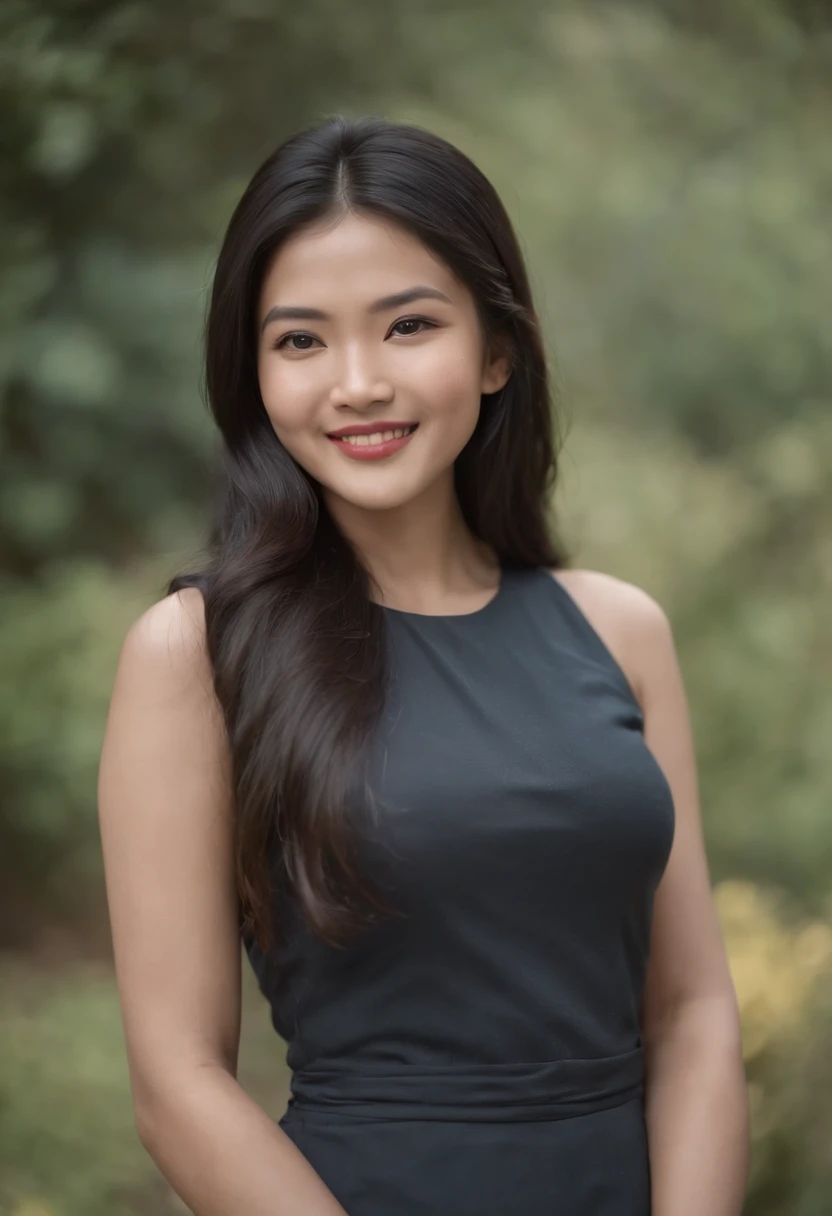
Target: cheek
(446, 381)
(287, 396)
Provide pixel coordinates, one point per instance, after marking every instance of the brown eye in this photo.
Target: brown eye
(294, 336)
(414, 321)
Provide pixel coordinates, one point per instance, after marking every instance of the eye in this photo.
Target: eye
(414, 321)
(288, 341)
(281, 342)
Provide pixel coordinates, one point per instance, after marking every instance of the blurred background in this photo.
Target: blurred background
(668, 165)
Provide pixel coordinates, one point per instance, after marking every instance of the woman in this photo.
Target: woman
(442, 785)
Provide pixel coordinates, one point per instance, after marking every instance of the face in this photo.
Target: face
(338, 349)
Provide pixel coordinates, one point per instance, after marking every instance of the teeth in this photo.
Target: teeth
(375, 437)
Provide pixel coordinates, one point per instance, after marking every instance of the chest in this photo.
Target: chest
(515, 765)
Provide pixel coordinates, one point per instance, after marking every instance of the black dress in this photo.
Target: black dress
(482, 1055)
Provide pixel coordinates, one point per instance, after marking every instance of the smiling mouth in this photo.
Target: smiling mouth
(374, 438)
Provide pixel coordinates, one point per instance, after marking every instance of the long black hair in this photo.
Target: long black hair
(296, 643)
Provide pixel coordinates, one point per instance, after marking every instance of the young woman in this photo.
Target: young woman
(442, 785)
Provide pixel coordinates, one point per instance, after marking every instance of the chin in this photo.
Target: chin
(377, 502)
(368, 498)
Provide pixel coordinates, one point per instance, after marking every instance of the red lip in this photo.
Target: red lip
(369, 428)
(369, 451)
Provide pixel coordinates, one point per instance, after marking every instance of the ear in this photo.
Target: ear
(496, 371)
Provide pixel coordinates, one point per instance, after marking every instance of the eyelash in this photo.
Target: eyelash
(300, 333)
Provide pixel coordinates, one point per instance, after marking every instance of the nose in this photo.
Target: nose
(360, 382)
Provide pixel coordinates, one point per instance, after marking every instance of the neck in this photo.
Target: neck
(420, 554)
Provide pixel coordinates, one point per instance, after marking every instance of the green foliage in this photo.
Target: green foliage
(59, 639)
(676, 225)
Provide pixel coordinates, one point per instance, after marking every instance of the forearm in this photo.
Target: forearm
(223, 1155)
(696, 1102)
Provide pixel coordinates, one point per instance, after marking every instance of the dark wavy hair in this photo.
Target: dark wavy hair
(296, 644)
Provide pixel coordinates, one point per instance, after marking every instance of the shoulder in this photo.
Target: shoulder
(630, 622)
(609, 594)
(165, 733)
(169, 636)
(164, 665)
(174, 625)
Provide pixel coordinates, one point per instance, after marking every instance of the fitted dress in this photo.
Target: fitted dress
(481, 1054)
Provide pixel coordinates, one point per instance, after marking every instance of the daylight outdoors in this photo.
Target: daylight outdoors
(668, 165)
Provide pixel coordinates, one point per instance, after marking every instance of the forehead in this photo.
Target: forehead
(356, 258)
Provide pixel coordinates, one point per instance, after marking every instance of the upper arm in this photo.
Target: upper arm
(688, 961)
(165, 817)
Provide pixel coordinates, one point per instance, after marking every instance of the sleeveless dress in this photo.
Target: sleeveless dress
(481, 1055)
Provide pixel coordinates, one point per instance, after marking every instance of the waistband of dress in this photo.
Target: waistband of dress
(545, 1089)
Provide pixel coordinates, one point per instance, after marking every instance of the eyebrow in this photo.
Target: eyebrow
(290, 313)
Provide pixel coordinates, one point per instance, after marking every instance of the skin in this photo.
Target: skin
(164, 794)
(400, 512)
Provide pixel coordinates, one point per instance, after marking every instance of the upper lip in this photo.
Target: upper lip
(369, 428)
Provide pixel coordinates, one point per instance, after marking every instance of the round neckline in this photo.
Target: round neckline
(452, 616)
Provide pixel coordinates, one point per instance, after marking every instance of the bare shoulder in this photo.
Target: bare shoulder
(164, 659)
(608, 592)
(170, 635)
(626, 617)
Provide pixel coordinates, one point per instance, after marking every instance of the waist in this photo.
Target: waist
(543, 1089)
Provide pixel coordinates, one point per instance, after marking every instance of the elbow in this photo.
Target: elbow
(163, 1110)
(701, 1029)
(153, 1104)
(146, 1121)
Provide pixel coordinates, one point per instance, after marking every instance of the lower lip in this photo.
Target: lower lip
(372, 451)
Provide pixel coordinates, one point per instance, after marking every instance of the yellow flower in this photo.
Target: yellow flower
(773, 968)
